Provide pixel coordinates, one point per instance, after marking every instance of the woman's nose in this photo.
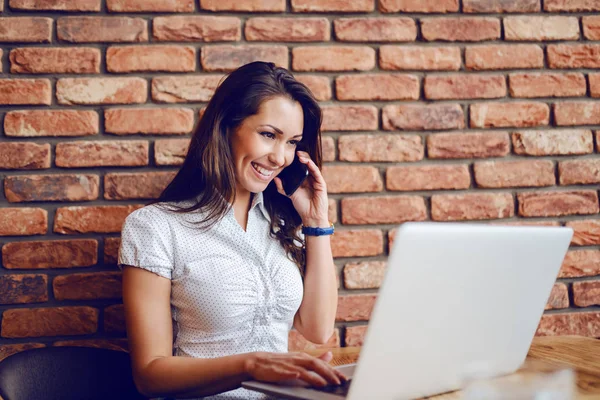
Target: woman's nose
(277, 156)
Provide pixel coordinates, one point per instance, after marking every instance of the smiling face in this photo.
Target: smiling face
(265, 143)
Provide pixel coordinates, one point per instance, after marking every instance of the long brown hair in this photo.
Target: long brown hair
(207, 175)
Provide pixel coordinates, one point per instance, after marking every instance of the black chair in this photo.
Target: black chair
(65, 373)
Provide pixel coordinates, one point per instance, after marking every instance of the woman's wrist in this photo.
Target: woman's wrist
(316, 223)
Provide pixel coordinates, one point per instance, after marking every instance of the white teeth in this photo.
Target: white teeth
(262, 171)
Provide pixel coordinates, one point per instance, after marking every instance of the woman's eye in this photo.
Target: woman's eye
(294, 142)
(269, 135)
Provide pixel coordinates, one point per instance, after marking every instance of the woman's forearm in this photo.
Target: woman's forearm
(185, 377)
(319, 305)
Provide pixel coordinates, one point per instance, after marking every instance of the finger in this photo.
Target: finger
(315, 172)
(312, 378)
(327, 356)
(322, 368)
(279, 186)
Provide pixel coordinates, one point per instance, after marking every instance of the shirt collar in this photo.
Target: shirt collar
(259, 201)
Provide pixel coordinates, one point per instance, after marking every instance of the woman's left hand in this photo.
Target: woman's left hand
(310, 199)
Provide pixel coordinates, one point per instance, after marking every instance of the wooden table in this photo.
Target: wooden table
(580, 353)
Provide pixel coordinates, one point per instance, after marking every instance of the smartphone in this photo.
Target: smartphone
(293, 175)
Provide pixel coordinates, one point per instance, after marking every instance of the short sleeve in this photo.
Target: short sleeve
(146, 243)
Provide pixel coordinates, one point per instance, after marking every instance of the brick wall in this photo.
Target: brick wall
(433, 110)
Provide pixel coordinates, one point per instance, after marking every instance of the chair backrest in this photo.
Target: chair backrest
(65, 373)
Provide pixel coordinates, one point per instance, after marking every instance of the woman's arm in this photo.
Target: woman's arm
(316, 317)
(157, 373)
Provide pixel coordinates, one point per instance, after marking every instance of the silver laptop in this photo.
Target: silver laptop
(457, 300)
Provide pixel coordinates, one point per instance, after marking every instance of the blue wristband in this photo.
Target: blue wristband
(310, 231)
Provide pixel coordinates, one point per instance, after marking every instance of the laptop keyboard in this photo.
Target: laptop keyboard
(340, 390)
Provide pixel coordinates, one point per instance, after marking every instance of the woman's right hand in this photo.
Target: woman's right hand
(275, 367)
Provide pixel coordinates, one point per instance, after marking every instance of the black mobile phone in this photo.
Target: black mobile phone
(293, 175)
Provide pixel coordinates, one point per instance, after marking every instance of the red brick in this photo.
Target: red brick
(580, 263)
(423, 117)
(585, 232)
(23, 289)
(594, 84)
(501, 174)
(524, 222)
(105, 153)
(364, 275)
(518, 114)
(184, 89)
(586, 294)
(573, 55)
(150, 6)
(591, 27)
(53, 187)
(443, 87)
(504, 56)
(355, 335)
(56, 321)
(357, 243)
(598, 141)
(581, 323)
(460, 29)
(375, 29)
(88, 286)
(241, 6)
(10, 349)
(33, 123)
(53, 5)
(196, 28)
(577, 113)
(418, 6)
(471, 206)
(556, 204)
(383, 210)
(66, 60)
(382, 148)
(229, 57)
(170, 151)
(101, 90)
(93, 219)
(25, 29)
(579, 172)
(327, 148)
(111, 250)
(50, 254)
(547, 85)
(349, 118)
(352, 179)
(428, 177)
(297, 342)
(333, 58)
(553, 142)
(23, 221)
(287, 29)
(332, 211)
(541, 28)
(155, 58)
(377, 87)
(24, 155)
(111, 344)
(150, 121)
(136, 185)
(101, 29)
(571, 5)
(355, 307)
(25, 91)
(559, 297)
(468, 145)
(114, 319)
(501, 6)
(333, 5)
(420, 58)
(318, 85)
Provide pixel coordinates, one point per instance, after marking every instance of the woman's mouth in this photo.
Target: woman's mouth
(263, 173)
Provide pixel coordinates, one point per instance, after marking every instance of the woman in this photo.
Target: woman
(218, 260)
